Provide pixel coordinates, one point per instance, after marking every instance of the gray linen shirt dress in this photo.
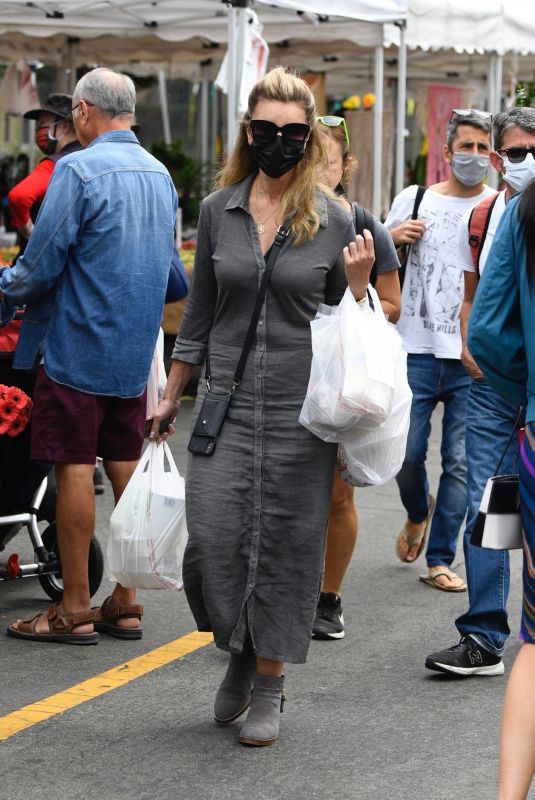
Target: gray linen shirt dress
(257, 509)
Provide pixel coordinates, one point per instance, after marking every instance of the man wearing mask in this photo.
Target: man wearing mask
(490, 419)
(105, 233)
(432, 339)
(55, 137)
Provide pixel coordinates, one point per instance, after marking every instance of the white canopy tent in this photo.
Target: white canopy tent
(71, 32)
(446, 38)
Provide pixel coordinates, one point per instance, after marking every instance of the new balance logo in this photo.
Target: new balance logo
(475, 657)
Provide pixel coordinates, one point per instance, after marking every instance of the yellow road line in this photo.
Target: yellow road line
(101, 684)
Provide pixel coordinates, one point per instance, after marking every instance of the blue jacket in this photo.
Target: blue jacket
(94, 274)
(501, 331)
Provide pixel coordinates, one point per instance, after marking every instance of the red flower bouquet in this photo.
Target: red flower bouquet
(15, 410)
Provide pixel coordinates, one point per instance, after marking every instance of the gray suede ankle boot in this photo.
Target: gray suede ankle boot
(233, 697)
(261, 728)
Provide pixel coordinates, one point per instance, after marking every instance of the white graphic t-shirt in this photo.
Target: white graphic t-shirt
(433, 288)
(465, 254)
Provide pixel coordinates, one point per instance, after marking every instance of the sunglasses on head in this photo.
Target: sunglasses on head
(459, 113)
(335, 122)
(265, 131)
(516, 154)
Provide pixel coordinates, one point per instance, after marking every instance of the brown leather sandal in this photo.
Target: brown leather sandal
(107, 616)
(61, 627)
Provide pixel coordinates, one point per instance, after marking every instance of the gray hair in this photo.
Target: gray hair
(111, 92)
(475, 120)
(519, 117)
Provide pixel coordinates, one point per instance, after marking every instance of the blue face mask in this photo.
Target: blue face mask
(469, 169)
(519, 175)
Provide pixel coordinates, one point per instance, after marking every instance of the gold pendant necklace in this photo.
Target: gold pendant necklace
(261, 226)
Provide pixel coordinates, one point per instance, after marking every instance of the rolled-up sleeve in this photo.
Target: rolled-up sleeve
(192, 339)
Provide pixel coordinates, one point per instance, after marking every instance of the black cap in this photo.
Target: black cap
(58, 104)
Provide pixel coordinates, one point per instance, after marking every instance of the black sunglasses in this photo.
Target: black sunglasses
(265, 131)
(517, 154)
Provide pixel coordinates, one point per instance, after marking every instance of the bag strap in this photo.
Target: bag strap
(420, 191)
(362, 218)
(515, 429)
(417, 200)
(478, 225)
(280, 236)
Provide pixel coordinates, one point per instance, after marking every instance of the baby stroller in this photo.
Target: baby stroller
(24, 505)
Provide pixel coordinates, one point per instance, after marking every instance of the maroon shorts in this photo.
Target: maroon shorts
(75, 427)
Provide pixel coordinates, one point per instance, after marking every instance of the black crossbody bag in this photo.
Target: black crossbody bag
(215, 406)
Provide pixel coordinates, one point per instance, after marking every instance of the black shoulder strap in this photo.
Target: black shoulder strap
(417, 200)
(362, 219)
(280, 236)
(405, 249)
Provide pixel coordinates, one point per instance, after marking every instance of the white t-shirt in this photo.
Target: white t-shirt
(465, 254)
(433, 287)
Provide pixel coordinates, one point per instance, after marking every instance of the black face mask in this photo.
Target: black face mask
(278, 156)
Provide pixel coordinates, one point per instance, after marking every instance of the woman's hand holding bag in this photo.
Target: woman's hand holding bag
(148, 525)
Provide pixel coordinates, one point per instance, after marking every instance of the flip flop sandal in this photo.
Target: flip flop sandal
(61, 627)
(420, 539)
(431, 579)
(109, 613)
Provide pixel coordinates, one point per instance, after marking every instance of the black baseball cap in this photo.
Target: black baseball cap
(57, 103)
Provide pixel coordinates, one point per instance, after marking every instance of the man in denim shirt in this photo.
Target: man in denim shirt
(93, 279)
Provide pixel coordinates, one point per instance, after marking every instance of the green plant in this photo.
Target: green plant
(188, 175)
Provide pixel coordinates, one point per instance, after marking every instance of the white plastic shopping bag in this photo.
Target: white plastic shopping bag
(370, 352)
(372, 457)
(355, 353)
(148, 525)
(157, 378)
(322, 412)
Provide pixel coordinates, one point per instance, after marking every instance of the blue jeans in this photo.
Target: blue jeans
(433, 380)
(489, 422)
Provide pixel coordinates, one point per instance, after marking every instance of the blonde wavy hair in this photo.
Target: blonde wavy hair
(300, 199)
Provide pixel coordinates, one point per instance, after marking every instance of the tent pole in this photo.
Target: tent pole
(165, 108)
(205, 117)
(237, 21)
(401, 109)
(242, 23)
(205, 89)
(71, 64)
(231, 78)
(378, 132)
(494, 90)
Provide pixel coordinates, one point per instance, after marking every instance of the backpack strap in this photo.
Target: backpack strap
(420, 191)
(404, 250)
(362, 218)
(478, 225)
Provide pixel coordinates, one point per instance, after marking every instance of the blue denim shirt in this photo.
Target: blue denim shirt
(94, 274)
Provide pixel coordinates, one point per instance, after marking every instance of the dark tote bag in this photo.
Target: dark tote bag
(215, 406)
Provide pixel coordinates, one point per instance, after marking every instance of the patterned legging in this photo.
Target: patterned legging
(527, 506)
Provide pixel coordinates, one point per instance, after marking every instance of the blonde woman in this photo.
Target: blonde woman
(382, 267)
(257, 508)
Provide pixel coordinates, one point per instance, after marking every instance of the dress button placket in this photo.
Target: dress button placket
(258, 376)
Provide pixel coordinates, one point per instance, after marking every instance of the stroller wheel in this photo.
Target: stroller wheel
(53, 583)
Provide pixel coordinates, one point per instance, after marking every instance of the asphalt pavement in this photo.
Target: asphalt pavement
(363, 718)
